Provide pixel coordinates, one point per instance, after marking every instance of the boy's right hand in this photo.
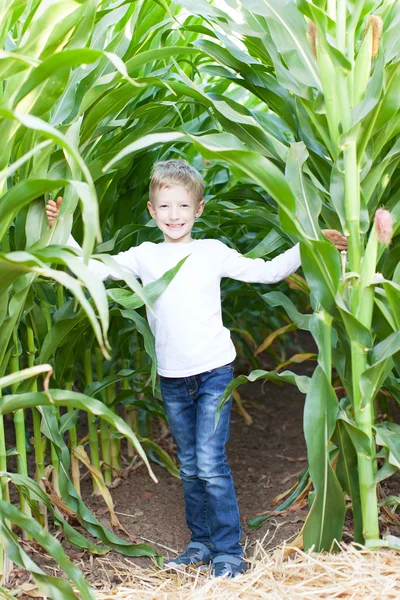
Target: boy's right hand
(52, 210)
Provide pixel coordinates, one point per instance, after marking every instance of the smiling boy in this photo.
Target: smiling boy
(175, 205)
(195, 353)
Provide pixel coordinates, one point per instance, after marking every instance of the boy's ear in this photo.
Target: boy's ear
(151, 210)
(200, 209)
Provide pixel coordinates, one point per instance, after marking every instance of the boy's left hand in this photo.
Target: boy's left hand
(336, 238)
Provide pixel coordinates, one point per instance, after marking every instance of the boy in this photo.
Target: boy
(195, 353)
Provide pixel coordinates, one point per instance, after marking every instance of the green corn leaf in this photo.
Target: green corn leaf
(58, 335)
(392, 384)
(308, 204)
(385, 349)
(98, 386)
(372, 380)
(67, 58)
(271, 242)
(148, 337)
(301, 381)
(321, 266)
(387, 469)
(347, 473)
(9, 380)
(388, 436)
(83, 272)
(325, 520)
(22, 194)
(288, 31)
(359, 438)
(67, 490)
(163, 456)
(21, 261)
(355, 329)
(68, 421)
(153, 290)
(52, 586)
(125, 276)
(392, 291)
(256, 522)
(85, 189)
(32, 491)
(275, 299)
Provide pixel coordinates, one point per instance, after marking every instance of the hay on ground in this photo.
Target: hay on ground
(355, 572)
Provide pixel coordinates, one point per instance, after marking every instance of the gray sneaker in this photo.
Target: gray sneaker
(195, 555)
(225, 565)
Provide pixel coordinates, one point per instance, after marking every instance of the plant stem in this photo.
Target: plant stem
(47, 314)
(363, 414)
(328, 82)
(332, 9)
(60, 295)
(73, 442)
(352, 204)
(350, 48)
(115, 445)
(351, 171)
(130, 415)
(341, 13)
(4, 491)
(104, 431)
(131, 420)
(19, 424)
(53, 454)
(92, 424)
(366, 472)
(39, 454)
(367, 291)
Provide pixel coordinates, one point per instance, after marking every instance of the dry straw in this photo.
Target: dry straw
(355, 572)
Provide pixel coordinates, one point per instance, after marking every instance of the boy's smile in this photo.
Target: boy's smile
(175, 209)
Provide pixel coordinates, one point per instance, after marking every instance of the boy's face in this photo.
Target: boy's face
(175, 210)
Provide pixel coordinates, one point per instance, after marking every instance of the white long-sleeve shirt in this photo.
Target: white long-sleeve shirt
(189, 333)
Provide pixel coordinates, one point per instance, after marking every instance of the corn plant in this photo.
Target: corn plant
(321, 136)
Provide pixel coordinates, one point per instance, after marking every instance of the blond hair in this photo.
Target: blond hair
(167, 173)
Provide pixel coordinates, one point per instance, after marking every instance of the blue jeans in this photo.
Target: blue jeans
(212, 513)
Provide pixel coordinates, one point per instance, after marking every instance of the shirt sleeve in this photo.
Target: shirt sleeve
(127, 260)
(257, 270)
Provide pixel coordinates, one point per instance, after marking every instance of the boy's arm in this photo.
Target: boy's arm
(257, 270)
(127, 260)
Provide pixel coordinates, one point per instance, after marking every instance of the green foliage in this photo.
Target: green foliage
(329, 83)
(292, 137)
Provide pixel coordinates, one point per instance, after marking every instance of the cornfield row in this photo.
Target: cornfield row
(290, 110)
